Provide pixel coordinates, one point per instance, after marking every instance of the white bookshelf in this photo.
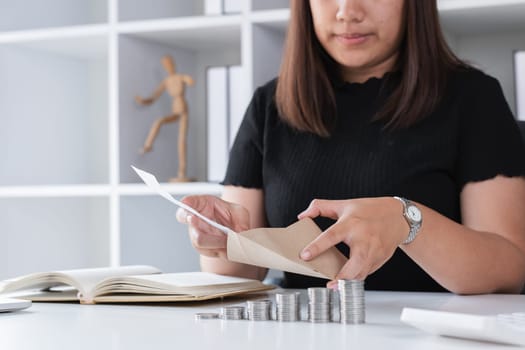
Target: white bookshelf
(68, 197)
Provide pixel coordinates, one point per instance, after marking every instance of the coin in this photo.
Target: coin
(232, 313)
(319, 305)
(259, 310)
(206, 316)
(288, 307)
(351, 301)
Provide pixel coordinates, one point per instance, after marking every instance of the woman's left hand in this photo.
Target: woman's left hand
(372, 227)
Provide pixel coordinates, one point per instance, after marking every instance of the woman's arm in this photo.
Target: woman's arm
(484, 255)
(487, 253)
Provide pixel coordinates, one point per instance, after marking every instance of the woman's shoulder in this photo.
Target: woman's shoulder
(470, 80)
(262, 105)
(263, 99)
(267, 90)
(479, 96)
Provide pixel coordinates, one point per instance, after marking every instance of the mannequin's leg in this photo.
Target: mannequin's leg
(154, 131)
(183, 132)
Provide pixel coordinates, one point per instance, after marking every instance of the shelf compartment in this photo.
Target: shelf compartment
(174, 189)
(54, 105)
(140, 72)
(269, 4)
(55, 233)
(192, 33)
(34, 14)
(132, 10)
(151, 235)
(482, 16)
(494, 55)
(268, 42)
(277, 19)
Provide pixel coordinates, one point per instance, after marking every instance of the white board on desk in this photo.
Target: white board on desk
(233, 6)
(223, 116)
(519, 73)
(213, 7)
(236, 107)
(220, 7)
(217, 122)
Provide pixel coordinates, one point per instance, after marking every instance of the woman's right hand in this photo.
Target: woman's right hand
(207, 240)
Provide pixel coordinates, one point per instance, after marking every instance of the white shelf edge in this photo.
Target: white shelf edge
(54, 33)
(114, 240)
(269, 16)
(177, 189)
(106, 190)
(182, 23)
(451, 5)
(55, 191)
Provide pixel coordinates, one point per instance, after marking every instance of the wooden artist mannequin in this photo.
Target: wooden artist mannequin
(175, 85)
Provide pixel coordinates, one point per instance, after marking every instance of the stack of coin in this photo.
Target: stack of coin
(259, 310)
(206, 316)
(232, 313)
(351, 301)
(288, 307)
(319, 305)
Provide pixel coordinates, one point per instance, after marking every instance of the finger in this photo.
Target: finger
(196, 202)
(203, 226)
(320, 207)
(199, 202)
(375, 267)
(211, 253)
(329, 238)
(202, 240)
(182, 216)
(228, 214)
(356, 268)
(233, 215)
(332, 285)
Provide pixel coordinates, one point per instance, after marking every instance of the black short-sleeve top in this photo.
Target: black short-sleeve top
(471, 136)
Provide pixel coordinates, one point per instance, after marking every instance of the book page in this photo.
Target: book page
(188, 283)
(36, 282)
(88, 278)
(193, 279)
(83, 280)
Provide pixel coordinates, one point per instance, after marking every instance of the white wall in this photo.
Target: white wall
(47, 104)
(494, 54)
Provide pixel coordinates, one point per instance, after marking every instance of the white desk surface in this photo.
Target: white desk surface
(173, 326)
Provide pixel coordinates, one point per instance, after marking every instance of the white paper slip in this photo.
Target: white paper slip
(151, 181)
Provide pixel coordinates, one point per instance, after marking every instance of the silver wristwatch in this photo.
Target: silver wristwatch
(413, 216)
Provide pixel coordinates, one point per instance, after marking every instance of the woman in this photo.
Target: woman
(370, 104)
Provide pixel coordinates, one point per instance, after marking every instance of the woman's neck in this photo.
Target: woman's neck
(362, 74)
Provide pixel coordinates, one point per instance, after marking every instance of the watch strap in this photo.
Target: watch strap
(414, 226)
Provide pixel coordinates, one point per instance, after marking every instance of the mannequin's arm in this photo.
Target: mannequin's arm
(188, 80)
(147, 101)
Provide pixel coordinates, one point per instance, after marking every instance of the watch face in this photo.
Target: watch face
(414, 213)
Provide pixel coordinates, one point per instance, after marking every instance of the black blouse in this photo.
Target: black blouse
(471, 136)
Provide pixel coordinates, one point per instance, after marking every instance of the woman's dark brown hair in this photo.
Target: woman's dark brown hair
(305, 95)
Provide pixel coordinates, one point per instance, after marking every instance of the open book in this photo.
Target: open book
(127, 284)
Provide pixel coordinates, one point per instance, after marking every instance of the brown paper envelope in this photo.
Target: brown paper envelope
(279, 248)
